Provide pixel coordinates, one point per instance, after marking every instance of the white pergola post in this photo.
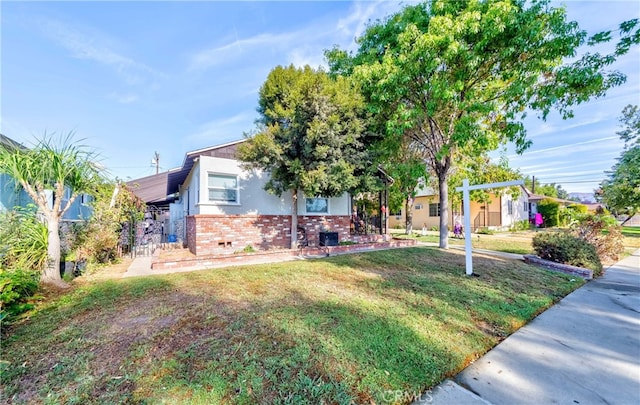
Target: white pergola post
(466, 201)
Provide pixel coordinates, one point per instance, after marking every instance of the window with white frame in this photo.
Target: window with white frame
(223, 188)
(510, 207)
(317, 205)
(434, 210)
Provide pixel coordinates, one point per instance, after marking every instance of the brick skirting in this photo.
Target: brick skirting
(587, 274)
(214, 234)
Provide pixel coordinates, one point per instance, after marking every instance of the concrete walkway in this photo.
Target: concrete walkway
(583, 350)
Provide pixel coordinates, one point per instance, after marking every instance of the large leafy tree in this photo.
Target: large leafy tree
(55, 166)
(458, 76)
(310, 135)
(621, 191)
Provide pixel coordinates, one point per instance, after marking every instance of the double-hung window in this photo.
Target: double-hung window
(317, 205)
(434, 210)
(223, 188)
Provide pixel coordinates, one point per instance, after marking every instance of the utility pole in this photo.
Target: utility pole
(156, 161)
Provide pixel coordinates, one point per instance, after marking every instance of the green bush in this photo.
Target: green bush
(550, 210)
(569, 215)
(485, 231)
(561, 247)
(16, 286)
(523, 225)
(23, 239)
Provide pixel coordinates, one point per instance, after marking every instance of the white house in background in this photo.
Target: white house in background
(224, 206)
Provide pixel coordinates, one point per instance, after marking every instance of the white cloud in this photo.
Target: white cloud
(127, 98)
(84, 46)
(228, 128)
(362, 13)
(229, 52)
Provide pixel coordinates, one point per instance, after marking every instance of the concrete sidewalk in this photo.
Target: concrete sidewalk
(583, 350)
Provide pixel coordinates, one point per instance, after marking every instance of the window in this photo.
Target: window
(434, 210)
(317, 205)
(526, 206)
(223, 188)
(417, 207)
(510, 207)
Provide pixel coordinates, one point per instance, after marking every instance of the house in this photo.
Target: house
(13, 195)
(534, 199)
(501, 212)
(220, 205)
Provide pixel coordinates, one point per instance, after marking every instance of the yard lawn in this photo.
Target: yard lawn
(631, 236)
(519, 242)
(337, 330)
(507, 242)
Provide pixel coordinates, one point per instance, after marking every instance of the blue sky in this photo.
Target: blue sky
(133, 78)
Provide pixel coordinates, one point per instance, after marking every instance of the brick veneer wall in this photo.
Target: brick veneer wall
(208, 234)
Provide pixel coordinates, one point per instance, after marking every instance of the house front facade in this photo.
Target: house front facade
(225, 207)
(501, 212)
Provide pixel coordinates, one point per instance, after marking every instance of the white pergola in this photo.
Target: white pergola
(467, 214)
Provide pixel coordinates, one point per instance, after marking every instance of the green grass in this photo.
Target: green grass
(497, 242)
(343, 329)
(631, 236)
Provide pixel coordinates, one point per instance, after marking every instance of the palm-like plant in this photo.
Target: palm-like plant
(52, 167)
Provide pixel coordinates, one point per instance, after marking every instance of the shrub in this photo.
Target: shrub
(603, 232)
(23, 239)
(549, 209)
(562, 247)
(485, 231)
(16, 286)
(569, 215)
(521, 226)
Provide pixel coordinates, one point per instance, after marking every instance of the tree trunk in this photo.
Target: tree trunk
(294, 219)
(443, 187)
(51, 274)
(408, 217)
(628, 218)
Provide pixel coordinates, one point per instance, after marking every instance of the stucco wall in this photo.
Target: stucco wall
(420, 215)
(520, 210)
(252, 198)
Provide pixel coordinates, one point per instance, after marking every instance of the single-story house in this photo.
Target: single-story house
(220, 205)
(534, 199)
(502, 212)
(13, 195)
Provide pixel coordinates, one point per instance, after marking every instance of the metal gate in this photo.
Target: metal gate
(142, 238)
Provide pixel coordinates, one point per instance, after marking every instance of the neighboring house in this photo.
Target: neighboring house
(534, 199)
(223, 205)
(13, 195)
(501, 212)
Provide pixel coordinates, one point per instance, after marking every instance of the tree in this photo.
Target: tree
(52, 168)
(310, 135)
(550, 190)
(620, 192)
(459, 76)
(408, 171)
